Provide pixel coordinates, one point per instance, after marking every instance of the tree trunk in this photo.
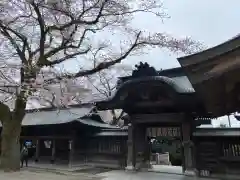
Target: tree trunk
(10, 135)
(10, 145)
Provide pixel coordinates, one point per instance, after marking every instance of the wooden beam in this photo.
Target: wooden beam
(167, 103)
(45, 137)
(134, 155)
(37, 150)
(71, 152)
(53, 151)
(158, 118)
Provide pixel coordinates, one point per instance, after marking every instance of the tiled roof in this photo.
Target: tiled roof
(91, 122)
(225, 47)
(180, 84)
(62, 116)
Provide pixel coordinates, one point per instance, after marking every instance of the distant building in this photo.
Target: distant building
(74, 135)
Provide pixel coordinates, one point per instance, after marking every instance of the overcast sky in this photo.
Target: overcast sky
(209, 21)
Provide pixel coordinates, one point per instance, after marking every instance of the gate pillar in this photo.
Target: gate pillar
(138, 155)
(188, 149)
(130, 148)
(142, 148)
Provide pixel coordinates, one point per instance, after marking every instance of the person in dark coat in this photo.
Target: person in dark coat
(24, 156)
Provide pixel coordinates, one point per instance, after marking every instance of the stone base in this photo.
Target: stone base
(130, 168)
(145, 165)
(52, 161)
(190, 172)
(70, 165)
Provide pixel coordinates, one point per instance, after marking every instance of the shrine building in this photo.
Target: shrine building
(206, 86)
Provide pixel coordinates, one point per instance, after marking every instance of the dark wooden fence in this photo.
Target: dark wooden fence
(106, 151)
(217, 151)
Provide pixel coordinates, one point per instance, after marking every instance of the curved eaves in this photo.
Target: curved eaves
(210, 53)
(152, 79)
(155, 79)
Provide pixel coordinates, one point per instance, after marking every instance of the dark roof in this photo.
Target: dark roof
(180, 84)
(179, 76)
(174, 77)
(85, 105)
(213, 132)
(49, 116)
(173, 72)
(61, 116)
(208, 69)
(91, 122)
(227, 46)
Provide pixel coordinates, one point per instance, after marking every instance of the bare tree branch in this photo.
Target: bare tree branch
(79, 21)
(105, 65)
(42, 29)
(4, 30)
(67, 57)
(104, 83)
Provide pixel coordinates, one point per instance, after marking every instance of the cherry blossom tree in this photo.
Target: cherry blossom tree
(42, 35)
(104, 84)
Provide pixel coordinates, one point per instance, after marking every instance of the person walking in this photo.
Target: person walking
(24, 156)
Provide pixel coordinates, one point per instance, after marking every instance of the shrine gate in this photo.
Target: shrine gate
(156, 99)
(206, 86)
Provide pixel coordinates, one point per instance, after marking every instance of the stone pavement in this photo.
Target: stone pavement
(29, 174)
(41, 175)
(54, 167)
(166, 169)
(121, 175)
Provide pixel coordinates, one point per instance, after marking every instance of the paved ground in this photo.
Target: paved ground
(41, 175)
(33, 174)
(121, 175)
(167, 169)
(86, 169)
(112, 175)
